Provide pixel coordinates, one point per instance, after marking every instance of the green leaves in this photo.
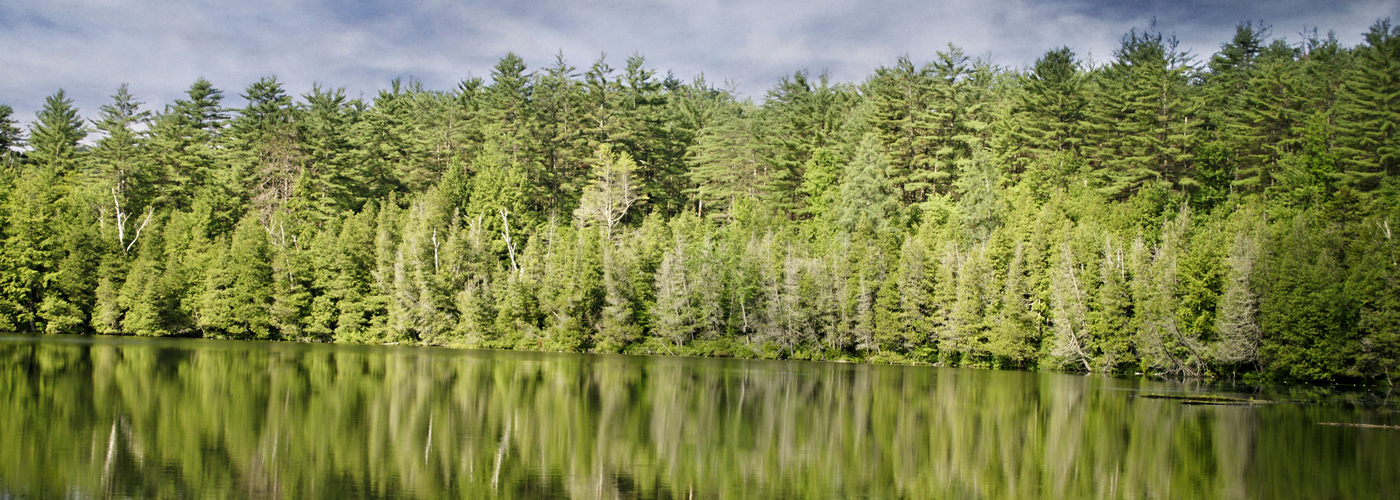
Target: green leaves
(1150, 215)
(54, 135)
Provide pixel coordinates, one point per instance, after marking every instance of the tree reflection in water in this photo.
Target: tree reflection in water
(93, 417)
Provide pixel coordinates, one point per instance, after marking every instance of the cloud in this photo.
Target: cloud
(89, 47)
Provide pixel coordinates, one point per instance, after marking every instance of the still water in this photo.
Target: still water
(103, 417)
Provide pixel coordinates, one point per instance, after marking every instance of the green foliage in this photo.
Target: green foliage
(1306, 315)
(1370, 108)
(237, 296)
(1055, 99)
(54, 135)
(1141, 116)
(1149, 215)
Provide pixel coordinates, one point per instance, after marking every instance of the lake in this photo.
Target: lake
(114, 417)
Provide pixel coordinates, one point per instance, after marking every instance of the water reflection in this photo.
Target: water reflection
(121, 417)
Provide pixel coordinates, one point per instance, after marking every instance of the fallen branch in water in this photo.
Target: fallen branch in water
(1365, 426)
(1208, 400)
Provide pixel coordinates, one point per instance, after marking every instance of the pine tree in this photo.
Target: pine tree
(955, 119)
(807, 116)
(617, 326)
(70, 278)
(727, 164)
(676, 314)
(54, 135)
(327, 184)
(362, 308)
(46, 259)
(1111, 309)
(508, 107)
(571, 292)
(613, 191)
(914, 298)
(558, 101)
(1013, 332)
(144, 300)
(1271, 111)
(1229, 85)
(901, 96)
(203, 110)
(971, 312)
(660, 160)
(821, 183)
(1237, 316)
(421, 310)
(867, 196)
(1376, 284)
(268, 152)
(30, 246)
(11, 138)
(118, 166)
(1141, 118)
(1071, 344)
(1055, 100)
(181, 153)
(1369, 109)
(1305, 317)
(237, 296)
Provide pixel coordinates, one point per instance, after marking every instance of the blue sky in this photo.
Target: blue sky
(159, 47)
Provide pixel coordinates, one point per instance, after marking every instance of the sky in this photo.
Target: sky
(159, 47)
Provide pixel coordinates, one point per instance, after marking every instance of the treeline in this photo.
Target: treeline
(1156, 213)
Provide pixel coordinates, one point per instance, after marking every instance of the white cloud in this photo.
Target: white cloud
(161, 46)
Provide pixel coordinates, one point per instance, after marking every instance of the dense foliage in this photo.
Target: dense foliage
(1154, 214)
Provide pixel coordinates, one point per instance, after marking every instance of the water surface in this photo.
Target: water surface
(91, 417)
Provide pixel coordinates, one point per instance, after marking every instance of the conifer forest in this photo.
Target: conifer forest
(1158, 212)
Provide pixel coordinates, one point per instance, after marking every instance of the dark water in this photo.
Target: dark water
(87, 417)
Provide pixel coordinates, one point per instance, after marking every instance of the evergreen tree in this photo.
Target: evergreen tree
(1111, 311)
(237, 295)
(203, 110)
(727, 164)
(1071, 344)
(1369, 106)
(508, 107)
(821, 182)
(361, 308)
(1304, 314)
(1237, 316)
(54, 135)
(901, 96)
(867, 196)
(1141, 118)
(118, 167)
(181, 152)
(47, 259)
(11, 138)
(676, 314)
(1055, 99)
(1013, 331)
(268, 152)
(660, 162)
(328, 182)
(1229, 87)
(956, 117)
(145, 300)
(613, 192)
(1108, 220)
(560, 134)
(808, 115)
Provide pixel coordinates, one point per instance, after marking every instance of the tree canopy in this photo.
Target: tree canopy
(1162, 212)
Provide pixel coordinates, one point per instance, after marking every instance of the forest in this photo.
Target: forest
(1157, 213)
